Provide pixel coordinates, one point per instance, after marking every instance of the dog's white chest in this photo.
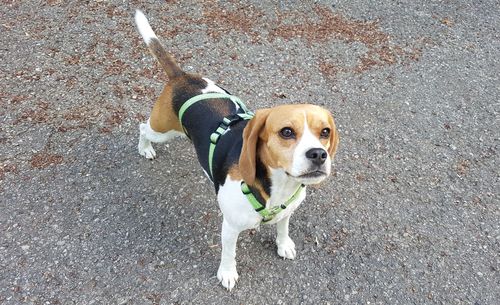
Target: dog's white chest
(239, 212)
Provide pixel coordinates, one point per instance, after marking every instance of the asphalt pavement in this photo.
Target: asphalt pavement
(411, 214)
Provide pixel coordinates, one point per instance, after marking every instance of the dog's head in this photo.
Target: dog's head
(301, 140)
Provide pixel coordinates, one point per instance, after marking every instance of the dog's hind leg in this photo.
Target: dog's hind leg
(162, 126)
(148, 135)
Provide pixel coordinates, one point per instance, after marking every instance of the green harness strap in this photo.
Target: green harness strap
(223, 127)
(268, 214)
(206, 96)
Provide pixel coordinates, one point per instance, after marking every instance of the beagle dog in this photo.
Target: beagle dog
(260, 163)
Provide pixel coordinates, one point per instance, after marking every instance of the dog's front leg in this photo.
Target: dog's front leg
(286, 246)
(227, 273)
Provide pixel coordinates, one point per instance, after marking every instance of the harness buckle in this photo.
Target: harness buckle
(275, 210)
(267, 218)
(214, 137)
(231, 119)
(269, 214)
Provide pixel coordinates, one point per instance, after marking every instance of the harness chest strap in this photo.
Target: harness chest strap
(268, 214)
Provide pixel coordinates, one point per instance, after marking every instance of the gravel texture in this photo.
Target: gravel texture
(411, 214)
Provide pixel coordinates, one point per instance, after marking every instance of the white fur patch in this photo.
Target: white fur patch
(238, 216)
(283, 187)
(238, 212)
(144, 28)
(148, 135)
(227, 273)
(158, 137)
(286, 247)
(307, 141)
(211, 87)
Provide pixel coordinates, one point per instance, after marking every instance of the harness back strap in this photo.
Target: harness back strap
(268, 214)
(207, 96)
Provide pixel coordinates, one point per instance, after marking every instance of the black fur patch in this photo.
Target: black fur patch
(201, 119)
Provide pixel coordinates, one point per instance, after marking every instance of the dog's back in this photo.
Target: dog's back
(200, 119)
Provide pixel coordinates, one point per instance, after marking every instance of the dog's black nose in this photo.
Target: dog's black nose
(316, 155)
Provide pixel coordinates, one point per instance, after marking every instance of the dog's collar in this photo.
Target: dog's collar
(223, 126)
(268, 214)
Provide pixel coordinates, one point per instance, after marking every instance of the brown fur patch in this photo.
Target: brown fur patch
(261, 191)
(166, 60)
(247, 162)
(277, 151)
(234, 172)
(163, 117)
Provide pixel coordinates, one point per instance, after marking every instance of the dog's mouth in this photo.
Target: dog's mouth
(314, 174)
(310, 175)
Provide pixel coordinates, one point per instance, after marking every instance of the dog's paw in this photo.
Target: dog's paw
(286, 248)
(227, 278)
(147, 151)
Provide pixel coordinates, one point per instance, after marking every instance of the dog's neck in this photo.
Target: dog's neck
(274, 186)
(282, 187)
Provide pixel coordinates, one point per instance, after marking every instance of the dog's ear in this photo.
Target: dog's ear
(251, 133)
(334, 137)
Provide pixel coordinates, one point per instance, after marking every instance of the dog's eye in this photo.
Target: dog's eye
(287, 133)
(325, 133)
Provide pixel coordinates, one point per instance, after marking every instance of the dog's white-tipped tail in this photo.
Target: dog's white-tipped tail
(144, 28)
(166, 60)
